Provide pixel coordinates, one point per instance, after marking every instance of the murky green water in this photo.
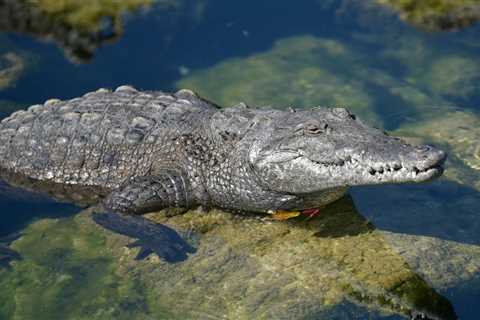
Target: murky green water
(381, 253)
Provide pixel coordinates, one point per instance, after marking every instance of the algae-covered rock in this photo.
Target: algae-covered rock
(12, 66)
(296, 72)
(442, 263)
(308, 71)
(452, 76)
(88, 15)
(245, 267)
(438, 75)
(436, 15)
(67, 272)
(459, 132)
(80, 27)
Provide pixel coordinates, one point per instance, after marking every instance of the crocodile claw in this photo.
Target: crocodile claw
(151, 237)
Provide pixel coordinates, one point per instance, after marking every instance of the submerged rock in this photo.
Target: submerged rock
(436, 15)
(80, 27)
(67, 272)
(244, 267)
(11, 67)
(307, 71)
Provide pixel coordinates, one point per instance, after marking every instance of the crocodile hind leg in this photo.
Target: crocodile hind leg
(145, 194)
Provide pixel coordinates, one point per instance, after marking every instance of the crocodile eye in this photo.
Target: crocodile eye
(313, 128)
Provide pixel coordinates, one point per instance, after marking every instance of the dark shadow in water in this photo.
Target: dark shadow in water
(20, 207)
(441, 209)
(151, 237)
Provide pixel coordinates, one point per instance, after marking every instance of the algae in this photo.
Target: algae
(454, 76)
(307, 71)
(246, 267)
(436, 15)
(68, 273)
(88, 15)
(79, 27)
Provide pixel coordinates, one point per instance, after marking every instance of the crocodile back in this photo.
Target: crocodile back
(100, 139)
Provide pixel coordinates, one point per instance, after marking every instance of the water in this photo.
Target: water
(423, 239)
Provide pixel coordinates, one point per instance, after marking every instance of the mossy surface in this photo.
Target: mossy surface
(67, 272)
(245, 267)
(87, 15)
(306, 71)
(436, 15)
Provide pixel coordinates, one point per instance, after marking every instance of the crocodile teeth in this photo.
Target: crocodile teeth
(126, 88)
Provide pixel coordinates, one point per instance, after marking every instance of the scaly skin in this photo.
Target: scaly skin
(105, 139)
(180, 150)
(138, 152)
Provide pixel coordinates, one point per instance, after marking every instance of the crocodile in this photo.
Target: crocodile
(142, 151)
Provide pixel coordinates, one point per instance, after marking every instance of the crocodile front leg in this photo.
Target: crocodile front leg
(151, 193)
(146, 194)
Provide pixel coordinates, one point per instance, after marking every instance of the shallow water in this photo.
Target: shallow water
(421, 85)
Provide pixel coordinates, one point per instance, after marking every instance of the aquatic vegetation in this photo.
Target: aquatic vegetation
(299, 71)
(80, 27)
(89, 15)
(308, 71)
(244, 268)
(444, 263)
(436, 15)
(68, 273)
(12, 66)
(454, 76)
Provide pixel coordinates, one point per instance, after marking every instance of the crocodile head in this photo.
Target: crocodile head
(320, 149)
